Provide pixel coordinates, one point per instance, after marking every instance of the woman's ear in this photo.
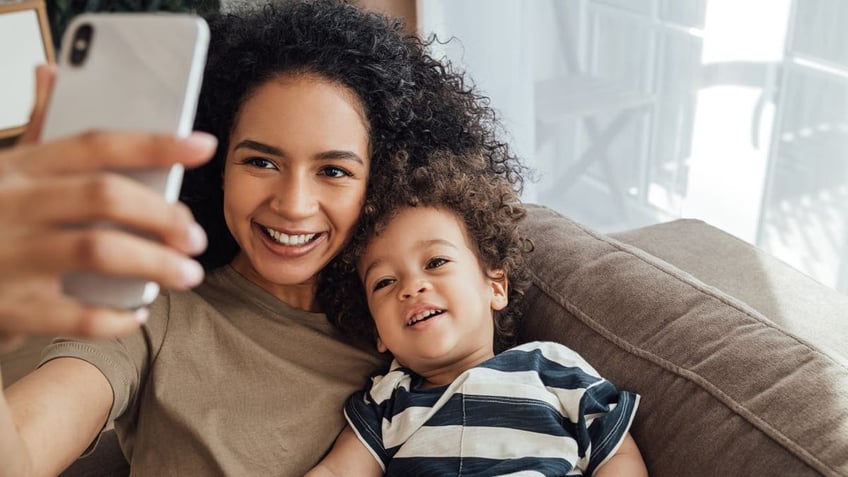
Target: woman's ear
(380, 346)
(500, 289)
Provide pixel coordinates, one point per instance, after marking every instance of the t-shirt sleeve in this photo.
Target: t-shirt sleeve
(123, 361)
(598, 415)
(365, 417)
(605, 417)
(369, 412)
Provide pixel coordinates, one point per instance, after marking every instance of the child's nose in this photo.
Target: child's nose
(414, 287)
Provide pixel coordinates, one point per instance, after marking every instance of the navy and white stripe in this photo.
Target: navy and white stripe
(537, 409)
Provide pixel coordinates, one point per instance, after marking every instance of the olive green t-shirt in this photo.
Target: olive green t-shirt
(226, 379)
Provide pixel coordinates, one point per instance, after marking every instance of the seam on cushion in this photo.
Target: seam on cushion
(706, 289)
(717, 393)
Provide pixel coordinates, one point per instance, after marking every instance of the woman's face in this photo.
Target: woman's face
(294, 182)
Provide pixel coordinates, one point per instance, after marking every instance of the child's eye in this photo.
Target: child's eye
(383, 283)
(335, 172)
(260, 162)
(436, 262)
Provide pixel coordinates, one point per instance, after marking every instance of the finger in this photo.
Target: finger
(30, 308)
(45, 78)
(99, 150)
(103, 250)
(87, 198)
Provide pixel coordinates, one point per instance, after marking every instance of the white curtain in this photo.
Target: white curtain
(635, 112)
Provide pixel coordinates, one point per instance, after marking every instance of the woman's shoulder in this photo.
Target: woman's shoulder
(217, 288)
(179, 308)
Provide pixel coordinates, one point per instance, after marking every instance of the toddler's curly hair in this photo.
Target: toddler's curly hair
(487, 205)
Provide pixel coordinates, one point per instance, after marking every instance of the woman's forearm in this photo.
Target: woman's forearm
(14, 458)
(49, 417)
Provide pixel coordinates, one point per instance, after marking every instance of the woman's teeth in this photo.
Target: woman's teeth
(287, 239)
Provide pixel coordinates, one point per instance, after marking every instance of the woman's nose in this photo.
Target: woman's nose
(295, 197)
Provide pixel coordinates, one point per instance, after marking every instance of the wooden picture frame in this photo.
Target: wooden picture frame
(25, 42)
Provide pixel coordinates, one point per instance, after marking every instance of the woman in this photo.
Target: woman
(317, 107)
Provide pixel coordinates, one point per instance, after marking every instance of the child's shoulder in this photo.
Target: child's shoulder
(550, 354)
(551, 347)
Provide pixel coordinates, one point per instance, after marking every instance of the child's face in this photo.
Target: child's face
(431, 300)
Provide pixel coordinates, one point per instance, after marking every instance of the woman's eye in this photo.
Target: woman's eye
(383, 283)
(260, 162)
(335, 172)
(436, 262)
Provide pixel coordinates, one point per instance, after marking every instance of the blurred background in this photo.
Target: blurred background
(635, 112)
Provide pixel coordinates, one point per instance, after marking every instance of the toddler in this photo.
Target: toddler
(439, 263)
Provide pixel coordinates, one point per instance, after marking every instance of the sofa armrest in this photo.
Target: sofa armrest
(725, 390)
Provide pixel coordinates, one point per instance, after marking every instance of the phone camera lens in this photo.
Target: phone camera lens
(81, 43)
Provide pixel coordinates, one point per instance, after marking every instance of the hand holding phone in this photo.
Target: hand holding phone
(133, 73)
(44, 186)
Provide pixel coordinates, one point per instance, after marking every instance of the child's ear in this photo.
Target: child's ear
(500, 289)
(380, 346)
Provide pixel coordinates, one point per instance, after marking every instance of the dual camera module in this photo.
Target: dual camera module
(80, 44)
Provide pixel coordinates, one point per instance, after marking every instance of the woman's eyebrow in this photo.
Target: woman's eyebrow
(258, 146)
(274, 151)
(340, 155)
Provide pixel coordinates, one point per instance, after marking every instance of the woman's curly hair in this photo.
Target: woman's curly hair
(485, 203)
(413, 102)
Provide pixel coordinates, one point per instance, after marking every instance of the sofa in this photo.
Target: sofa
(741, 361)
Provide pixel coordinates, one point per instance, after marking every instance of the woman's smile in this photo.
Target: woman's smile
(291, 245)
(295, 181)
(289, 239)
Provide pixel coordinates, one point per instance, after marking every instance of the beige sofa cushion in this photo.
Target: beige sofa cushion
(725, 390)
(790, 299)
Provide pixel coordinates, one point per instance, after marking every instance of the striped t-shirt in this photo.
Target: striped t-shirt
(536, 409)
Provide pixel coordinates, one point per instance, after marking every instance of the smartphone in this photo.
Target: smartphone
(130, 72)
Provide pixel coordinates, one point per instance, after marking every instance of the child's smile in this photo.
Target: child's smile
(430, 298)
(421, 314)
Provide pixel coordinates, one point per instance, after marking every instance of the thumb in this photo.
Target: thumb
(45, 77)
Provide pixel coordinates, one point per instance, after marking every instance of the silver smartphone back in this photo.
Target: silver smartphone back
(130, 72)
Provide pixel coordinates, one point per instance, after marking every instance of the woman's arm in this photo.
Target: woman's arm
(48, 418)
(627, 461)
(349, 456)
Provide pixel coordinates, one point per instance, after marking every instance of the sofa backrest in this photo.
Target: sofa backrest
(725, 391)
